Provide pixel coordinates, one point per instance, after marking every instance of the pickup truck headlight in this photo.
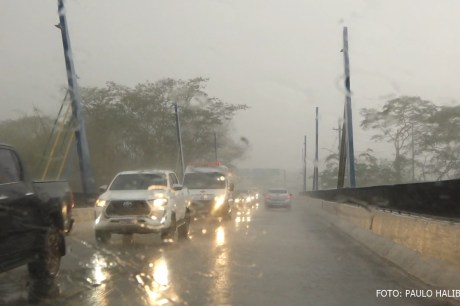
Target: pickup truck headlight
(158, 203)
(100, 203)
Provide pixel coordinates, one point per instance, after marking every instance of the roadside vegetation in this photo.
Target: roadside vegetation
(132, 128)
(424, 138)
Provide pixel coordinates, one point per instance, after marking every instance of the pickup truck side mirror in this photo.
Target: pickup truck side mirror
(103, 188)
(177, 187)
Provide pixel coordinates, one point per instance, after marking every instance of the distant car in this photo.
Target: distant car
(278, 197)
(254, 193)
(243, 199)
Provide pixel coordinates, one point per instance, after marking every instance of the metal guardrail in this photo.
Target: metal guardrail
(440, 198)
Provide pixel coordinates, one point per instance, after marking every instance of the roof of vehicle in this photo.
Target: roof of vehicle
(7, 146)
(146, 171)
(280, 188)
(198, 169)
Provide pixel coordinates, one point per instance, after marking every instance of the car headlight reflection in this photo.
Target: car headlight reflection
(219, 201)
(158, 203)
(100, 203)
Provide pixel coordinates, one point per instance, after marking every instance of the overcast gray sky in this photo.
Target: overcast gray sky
(282, 58)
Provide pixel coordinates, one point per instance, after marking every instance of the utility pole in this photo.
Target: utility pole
(413, 153)
(215, 145)
(87, 179)
(339, 130)
(315, 173)
(305, 164)
(179, 139)
(347, 154)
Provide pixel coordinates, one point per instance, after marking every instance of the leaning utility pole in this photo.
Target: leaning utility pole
(305, 164)
(347, 154)
(215, 146)
(87, 179)
(339, 130)
(179, 139)
(413, 152)
(315, 173)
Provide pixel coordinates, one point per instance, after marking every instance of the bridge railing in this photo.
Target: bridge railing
(441, 198)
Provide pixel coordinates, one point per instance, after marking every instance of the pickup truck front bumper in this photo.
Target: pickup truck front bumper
(158, 223)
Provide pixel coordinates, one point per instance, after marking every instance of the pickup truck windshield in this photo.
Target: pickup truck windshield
(137, 181)
(208, 180)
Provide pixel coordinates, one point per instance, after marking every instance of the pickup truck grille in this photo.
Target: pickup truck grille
(127, 208)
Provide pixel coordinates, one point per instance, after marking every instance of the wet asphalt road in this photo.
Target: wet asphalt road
(261, 257)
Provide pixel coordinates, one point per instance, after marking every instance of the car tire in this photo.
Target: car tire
(184, 229)
(171, 233)
(45, 268)
(48, 261)
(228, 215)
(102, 237)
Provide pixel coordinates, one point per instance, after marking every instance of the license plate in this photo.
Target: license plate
(128, 221)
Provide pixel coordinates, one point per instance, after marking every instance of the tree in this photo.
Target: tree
(443, 142)
(29, 135)
(136, 127)
(401, 121)
(370, 171)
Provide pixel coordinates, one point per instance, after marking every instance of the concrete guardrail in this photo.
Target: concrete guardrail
(426, 248)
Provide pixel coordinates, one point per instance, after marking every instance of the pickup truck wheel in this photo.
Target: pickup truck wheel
(172, 233)
(102, 237)
(228, 215)
(48, 261)
(184, 229)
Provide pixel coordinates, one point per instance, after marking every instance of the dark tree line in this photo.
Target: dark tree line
(425, 139)
(135, 127)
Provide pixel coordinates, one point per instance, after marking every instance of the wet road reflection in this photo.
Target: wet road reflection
(258, 258)
(220, 291)
(96, 278)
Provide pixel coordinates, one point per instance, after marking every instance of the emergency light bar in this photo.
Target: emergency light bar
(206, 164)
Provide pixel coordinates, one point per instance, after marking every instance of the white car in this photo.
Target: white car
(142, 202)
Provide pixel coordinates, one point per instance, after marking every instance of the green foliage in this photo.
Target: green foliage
(370, 171)
(29, 135)
(422, 134)
(401, 120)
(443, 142)
(135, 127)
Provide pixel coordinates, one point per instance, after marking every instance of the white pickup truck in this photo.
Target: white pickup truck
(142, 202)
(210, 188)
